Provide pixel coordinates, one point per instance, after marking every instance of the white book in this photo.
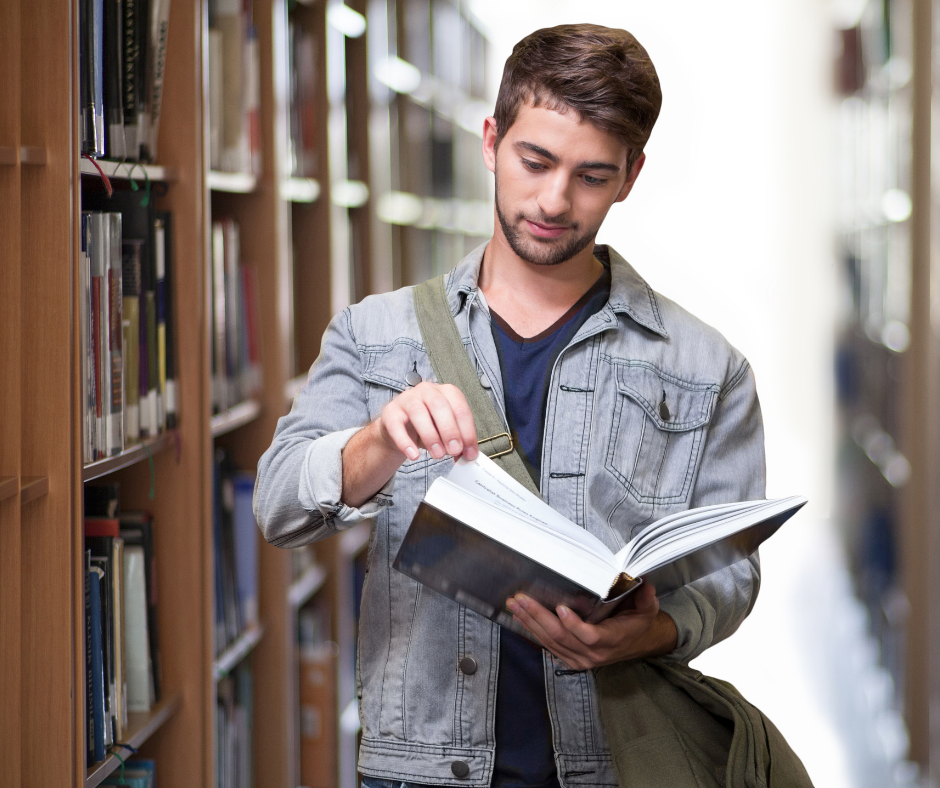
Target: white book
(138, 668)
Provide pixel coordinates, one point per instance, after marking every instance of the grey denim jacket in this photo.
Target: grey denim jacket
(613, 460)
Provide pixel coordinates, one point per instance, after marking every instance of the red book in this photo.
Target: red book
(102, 526)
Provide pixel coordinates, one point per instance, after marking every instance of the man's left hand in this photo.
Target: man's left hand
(644, 631)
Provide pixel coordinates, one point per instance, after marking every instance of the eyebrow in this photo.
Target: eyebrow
(584, 165)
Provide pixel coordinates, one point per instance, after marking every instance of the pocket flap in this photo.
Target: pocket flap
(390, 366)
(687, 405)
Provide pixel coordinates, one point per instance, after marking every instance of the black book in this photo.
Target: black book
(97, 545)
(94, 655)
(131, 76)
(113, 81)
(480, 537)
(102, 500)
(90, 755)
(91, 75)
(171, 393)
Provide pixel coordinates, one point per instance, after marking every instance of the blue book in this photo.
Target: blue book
(97, 664)
(246, 547)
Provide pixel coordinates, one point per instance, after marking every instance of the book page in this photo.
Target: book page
(484, 479)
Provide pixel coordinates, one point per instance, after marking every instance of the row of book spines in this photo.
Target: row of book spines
(129, 388)
(235, 557)
(236, 351)
(233, 729)
(122, 664)
(234, 89)
(123, 60)
(302, 60)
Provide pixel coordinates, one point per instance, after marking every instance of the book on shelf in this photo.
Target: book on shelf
(234, 88)
(233, 728)
(236, 356)
(94, 665)
(318, 671)
(128, 339)
(136, 773)
(479, 537)
(91, 75)
(302, 69)
(122, 59)
(235, 553)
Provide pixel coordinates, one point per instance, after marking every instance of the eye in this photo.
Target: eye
(534, 166)
(592, 180)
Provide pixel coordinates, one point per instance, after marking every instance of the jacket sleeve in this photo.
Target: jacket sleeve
(732, 468)
(300, 476)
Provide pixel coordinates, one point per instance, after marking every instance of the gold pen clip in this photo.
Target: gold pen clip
(505, 435)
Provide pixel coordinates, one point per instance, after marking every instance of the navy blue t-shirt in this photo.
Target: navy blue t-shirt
(524, 752)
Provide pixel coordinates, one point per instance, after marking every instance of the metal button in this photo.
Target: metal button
(412, 378)
(663, 411)
(468, 665)
(460, 769)
(484, 381)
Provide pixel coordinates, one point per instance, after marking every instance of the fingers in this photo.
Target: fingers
(433, 417)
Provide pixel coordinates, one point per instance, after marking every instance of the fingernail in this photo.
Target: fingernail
(436, 451)
(454, 447)
(412, 453)
(562, 611)
(523, 600)
(471, 453)
(511, 604)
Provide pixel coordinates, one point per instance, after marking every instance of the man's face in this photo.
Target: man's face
(556, 178)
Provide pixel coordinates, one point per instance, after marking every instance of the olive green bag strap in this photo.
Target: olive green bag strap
(452, 365)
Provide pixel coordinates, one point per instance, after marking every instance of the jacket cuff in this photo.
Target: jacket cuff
(681, 608)
(321, 483)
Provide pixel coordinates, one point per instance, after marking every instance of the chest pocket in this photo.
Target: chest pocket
(387, 373)
(656, 436)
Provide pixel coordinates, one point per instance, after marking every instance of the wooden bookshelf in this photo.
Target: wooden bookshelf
(316, 243)
(144, 450)
(141, 726)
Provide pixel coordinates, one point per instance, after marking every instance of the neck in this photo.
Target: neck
(526, 295)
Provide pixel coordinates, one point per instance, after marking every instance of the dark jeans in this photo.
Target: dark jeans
(378, 782)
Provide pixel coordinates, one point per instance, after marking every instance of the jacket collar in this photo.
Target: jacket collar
(629, 292)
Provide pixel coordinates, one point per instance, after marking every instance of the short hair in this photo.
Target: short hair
(602, 73)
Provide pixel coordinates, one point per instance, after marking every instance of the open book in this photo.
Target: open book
(479, 537)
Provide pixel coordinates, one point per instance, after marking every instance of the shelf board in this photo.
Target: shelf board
(306, 586)
(235, 417)
(129, 170)
(292, 388)
(129, 456)
(241, 648)
(31, 154)
(33, 487)
(354, 540)
(140, 727)
(235, 182)
(9, 486)
(300, 189)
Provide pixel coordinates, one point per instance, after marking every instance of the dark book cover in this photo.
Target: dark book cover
(130, 76)
(102, 500)
(91, 75)
(463, 564)
(97, 665)
(89, 673)
(171, 402)
(113, 87)
(103, 562)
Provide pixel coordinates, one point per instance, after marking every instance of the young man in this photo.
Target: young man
(625, 407)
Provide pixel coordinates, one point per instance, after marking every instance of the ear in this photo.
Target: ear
(489, 143)
(631, 178)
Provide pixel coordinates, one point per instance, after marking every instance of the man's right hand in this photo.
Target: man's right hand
(430, 416)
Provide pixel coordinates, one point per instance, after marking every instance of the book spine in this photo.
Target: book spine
(219, 398)
(117, 577)
(252, 133)
(143, 54)
(232, 316)
(139, 675)
(231, 23)
(129, 78)
(114, 99)
(101, 301)
(131, 303)
(156, 67)
(85, 329)
(215, 99)
(171, 402)
(97, 665)
(89, 675)
(159, 254)
(91, 22)
(150, 305)
(116, 335)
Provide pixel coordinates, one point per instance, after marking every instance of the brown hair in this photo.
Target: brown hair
(604, 74)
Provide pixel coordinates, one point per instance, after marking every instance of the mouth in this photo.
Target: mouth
(540, 230)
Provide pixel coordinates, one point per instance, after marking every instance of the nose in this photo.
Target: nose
(553, 198)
